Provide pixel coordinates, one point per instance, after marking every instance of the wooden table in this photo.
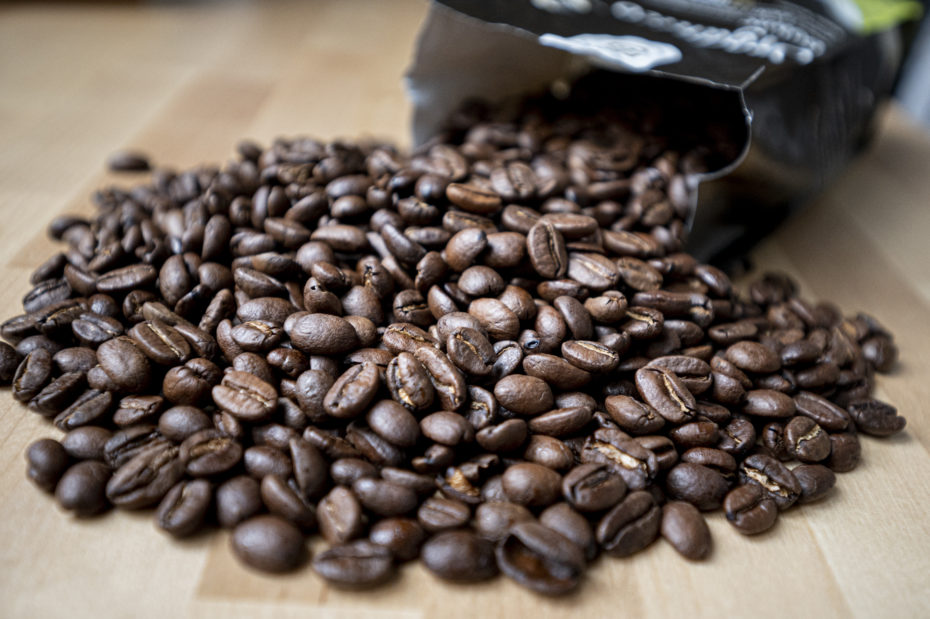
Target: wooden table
(184, 82)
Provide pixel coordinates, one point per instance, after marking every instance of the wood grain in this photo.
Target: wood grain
(184, 82)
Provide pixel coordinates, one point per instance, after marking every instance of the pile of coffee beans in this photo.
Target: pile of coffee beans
(491, 354)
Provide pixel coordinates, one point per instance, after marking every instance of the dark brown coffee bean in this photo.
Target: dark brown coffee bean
(695, 434)
(146, 477)
(473, 199)
(464, 247)
(507, 436)
(124, 444)
(750, 510)
(58, 394)
(86, 443)
(127, 278)
(47, 461)
(816, 481)
(183, 510)
(441, 514)
(666, 393)
(753, 357)
(592, 487)
(269, 543)
(401, 536)
(523, 395)
(339, 516)
(494, 519)
(545, 246)
(82, 488)
(245, 396)
(283, 500)
(89, 407)
(561, 422)
(699, 485)
(633, 416)
(876, 418)
(237, 499)
(828, 415)
(32, 375)
(845, 452)
(124, 364)
(352, 392)
(128, 161)
(355, 565)
(459, 556)
(590, 356)
(637, 274)
(555, 371)
(685, 529)
(531, 484)
(448, 383)
(540, 559)
(768, 403)
(470, 351)
(805, 440)
(208, 452)
(776, 481)
(630, 526)
(623, 456)
(262, 460)
(322, 334)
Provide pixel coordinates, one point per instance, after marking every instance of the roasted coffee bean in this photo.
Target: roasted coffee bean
(666, 393)
(339, 516)
(768, 403)
(178, 423)
(322, 334)
(440, 514)
(409, 382)
(9, 361)
(86, 443)
(262, 460)
(684, 528)
(561, 422)
(494, 519)
(127, 278)
(284, 501)
(845, 452)
(549, 452)
(448, 383)
(352, 392)
(47, 461)
(590, 356)
(630, 526)
(459, 556)
(753, 357)
(805, 440)
(58, 394)
(699, 485)
(540, 559)
(496, 318)
(633, 416)
(816, 481)
(358, 564)
(555, 371)
(269, 543)
(383, 497)
(523, 395)
(124, 444)
(592, 487)
(828, 415)
(776, 481)
(464, 247)
(182, 511)
(82, 488)
(622, 455)
(447, 428)
(208, 452)
(401, 536)
(245, 396)
(124, 364)
(876, 418)
(531, 484)
(470, 351)
(750, 509)
(146, 478)
(237, 499)
(32, 375)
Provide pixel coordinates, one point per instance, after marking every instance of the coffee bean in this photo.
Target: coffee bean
(339, 515)
(269, 543)
(561, 422)
(358, 564)
(540, 559)
(245, 396)
(208, 452)
(630, 526)
(750, 509)
(845, 452)
(440, 514)
(590, 356)
(633, 416)
(546, 249)
(145, 478)
(47, 461)
(182, 511)
(805, 440)
(666, 393)
(685, 529)
(876, 418)
(401, 536)
(531, 484)
(124, 364)
(322, 334)
(448, 383)
(82, 488)
(459, 556)
(86, 443)
(776, 481)
(524, 395)
(768, 403)
(592, 487)
(237, 499)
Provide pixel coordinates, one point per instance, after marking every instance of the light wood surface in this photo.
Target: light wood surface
(184, 82)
